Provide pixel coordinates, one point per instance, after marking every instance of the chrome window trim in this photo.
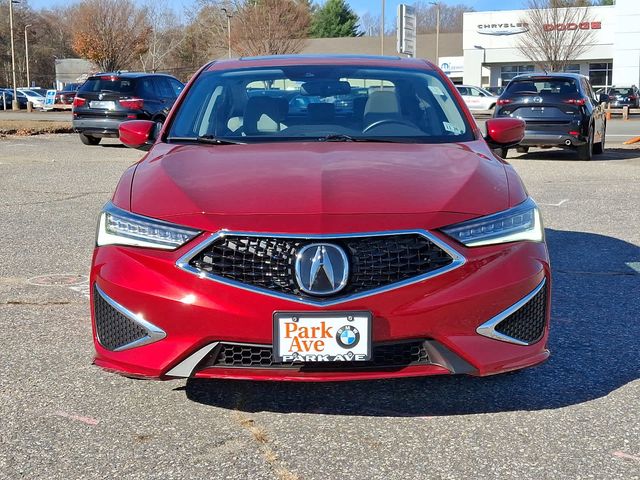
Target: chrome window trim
(457, 261)
(154, 333)
(487, 329)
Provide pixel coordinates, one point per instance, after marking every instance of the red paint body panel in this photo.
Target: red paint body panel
(319, 188)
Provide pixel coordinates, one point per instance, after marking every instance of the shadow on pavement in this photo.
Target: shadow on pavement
(595, 340)
(609, 154)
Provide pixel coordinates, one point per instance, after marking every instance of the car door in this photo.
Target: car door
(599, 121)
(476, 99)
(166, 93)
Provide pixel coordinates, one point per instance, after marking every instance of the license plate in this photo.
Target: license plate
(322, 336)
(104, 105)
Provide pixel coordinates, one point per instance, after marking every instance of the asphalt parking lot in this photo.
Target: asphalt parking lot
(576, 416)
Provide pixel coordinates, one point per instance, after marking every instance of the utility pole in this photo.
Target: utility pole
(229, 16)
(382, 30)
(437, 5)
(26, 52)
(14, 104)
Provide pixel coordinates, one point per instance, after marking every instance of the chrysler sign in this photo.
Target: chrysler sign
(502, 28)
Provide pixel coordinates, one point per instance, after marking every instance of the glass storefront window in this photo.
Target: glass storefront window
(600, 74)
(507, 72)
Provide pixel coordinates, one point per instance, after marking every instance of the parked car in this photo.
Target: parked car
(32, 96)
(22, 98)
(560, 110)
(107, 99)
(64, 98)
(252, 244)
(476, 98)
(39, 90)
(495, 90)
(623, 96)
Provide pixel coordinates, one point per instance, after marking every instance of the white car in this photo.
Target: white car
(34, 97)
(477, 98)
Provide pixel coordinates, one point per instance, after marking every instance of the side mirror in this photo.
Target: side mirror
(604, 98)
(504, 132)
(138, 134)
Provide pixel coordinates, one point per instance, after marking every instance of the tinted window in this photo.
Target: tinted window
(146, 88)
(176, 86)
(163, 87)
(108, 84)
(311, 102)
(621, 91)
(542, 86)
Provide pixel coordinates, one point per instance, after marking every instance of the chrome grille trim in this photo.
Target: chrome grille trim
(183, 263)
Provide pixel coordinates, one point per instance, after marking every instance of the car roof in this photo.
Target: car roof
(129, 75)
(524, 76)
(292, 60)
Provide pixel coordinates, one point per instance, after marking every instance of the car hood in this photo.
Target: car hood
(286, 180)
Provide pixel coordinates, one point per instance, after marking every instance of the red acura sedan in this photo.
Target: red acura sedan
(371, 234)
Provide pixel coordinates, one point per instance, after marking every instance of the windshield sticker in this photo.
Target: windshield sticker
(436, 90)
(451, 128)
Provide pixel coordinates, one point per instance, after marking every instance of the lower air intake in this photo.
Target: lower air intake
(114, 329)
(234, 355)
(527, 323)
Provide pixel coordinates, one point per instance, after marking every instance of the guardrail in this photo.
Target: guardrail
(624, 111)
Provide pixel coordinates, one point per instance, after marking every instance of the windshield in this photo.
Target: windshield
(316, 103)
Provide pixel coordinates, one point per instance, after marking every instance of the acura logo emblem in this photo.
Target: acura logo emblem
(322, 269)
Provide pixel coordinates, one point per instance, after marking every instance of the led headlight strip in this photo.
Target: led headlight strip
(119, 227)
(522, 222)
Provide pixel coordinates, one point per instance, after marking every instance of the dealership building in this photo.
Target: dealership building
(487, 53)
(491, 55)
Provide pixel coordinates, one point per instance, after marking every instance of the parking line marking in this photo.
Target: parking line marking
(555, 204)
(88, 420)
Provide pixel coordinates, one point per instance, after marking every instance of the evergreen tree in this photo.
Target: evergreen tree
(334, 19)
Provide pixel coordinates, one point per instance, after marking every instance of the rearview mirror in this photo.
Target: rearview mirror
(138, 134)
(504, 132)
(603, 98)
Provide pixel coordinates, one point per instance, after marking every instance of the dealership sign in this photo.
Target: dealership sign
(499, 29)
(562, 27)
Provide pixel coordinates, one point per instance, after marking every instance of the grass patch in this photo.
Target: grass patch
(33, 127)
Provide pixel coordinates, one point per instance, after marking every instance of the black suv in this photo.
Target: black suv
(107, 99)
(560, 110)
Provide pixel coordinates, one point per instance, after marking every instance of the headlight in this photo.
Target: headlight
(522, 222)
(119, 227)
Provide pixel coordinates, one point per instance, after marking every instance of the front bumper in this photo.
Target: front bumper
(195, 314)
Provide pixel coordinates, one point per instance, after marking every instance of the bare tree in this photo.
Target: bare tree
(557, 34)
(450, 16)
(165, 37)
(110, 33)
(269, 27)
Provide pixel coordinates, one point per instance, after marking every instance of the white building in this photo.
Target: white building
(490, 40)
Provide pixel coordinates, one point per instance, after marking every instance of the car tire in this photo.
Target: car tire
(585, 152)
(504, 152)
(598, 148)
(88, 140)
(522, 149)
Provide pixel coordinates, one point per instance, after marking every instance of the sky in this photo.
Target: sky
(359, 6)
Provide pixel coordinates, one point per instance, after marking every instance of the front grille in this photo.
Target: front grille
(114, 329)
(234, 355)
(269, 262)
(527, 324)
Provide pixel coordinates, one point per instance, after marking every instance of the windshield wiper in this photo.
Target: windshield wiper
(339, 137)
(208, 139)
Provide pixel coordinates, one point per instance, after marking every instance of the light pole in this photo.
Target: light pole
(382, 29)
(14, 104)
(437, 5)
(229, 16)
(26, 52)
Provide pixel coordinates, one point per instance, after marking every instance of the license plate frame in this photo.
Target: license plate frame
(102, 104)
(360, 324)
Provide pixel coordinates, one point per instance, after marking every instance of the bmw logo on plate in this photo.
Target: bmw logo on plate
(348, 336)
